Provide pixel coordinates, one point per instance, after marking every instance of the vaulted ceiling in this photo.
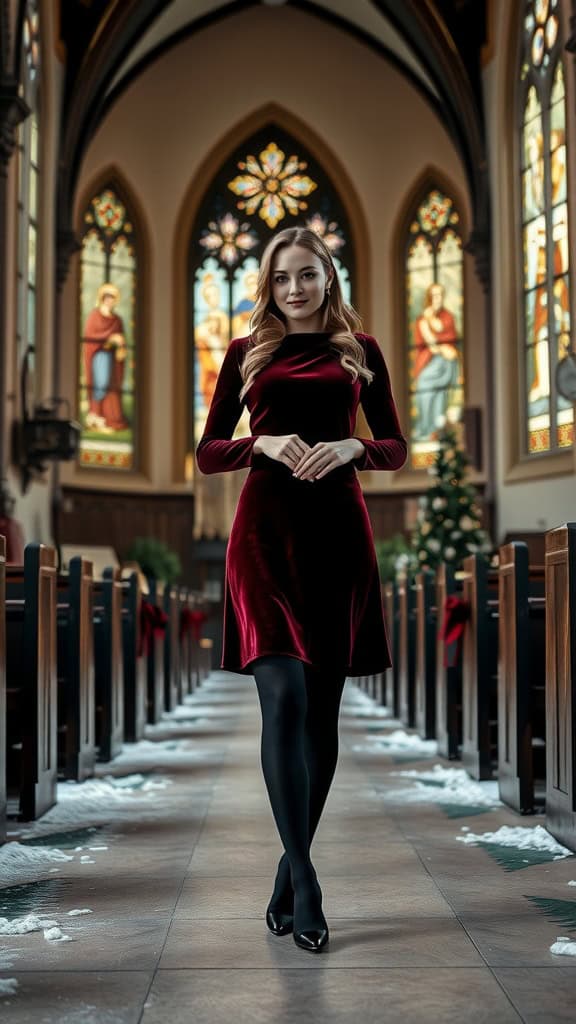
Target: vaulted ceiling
(435, 43)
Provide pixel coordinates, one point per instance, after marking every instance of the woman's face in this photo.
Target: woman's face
(298, 286)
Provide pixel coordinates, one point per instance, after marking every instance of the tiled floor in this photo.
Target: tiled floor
(422, 927)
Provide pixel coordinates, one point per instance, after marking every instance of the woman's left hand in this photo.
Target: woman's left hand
(326, 456)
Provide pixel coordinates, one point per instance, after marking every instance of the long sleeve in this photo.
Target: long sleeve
(388, 449)
(216, 452)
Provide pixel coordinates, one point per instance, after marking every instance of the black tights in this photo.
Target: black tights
(299, 750)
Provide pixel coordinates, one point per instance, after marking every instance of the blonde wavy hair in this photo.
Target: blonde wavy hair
(268, 326)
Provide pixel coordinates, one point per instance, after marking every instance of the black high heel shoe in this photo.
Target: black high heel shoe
(279, 922)
(313, 940)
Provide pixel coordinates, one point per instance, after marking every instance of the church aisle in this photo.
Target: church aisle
(174, 851)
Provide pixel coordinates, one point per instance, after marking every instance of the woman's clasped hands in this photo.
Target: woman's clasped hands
(309, 462)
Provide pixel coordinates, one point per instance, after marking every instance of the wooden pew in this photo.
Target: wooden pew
(155, 659)
(134, 661)
(379, 693)
(107, 619)
(2, 689)
(391, 696)
(32, 682)
(479, 668)
(76, 694)
(448, 671)
(172, 679)
(407, 647)
(521, 678)
(425, 667)
(561, 684)
(186, 641)
(204, 652)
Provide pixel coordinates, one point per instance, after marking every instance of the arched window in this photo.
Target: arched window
(269, 183)
(434, 307)
(108, 331)
(28, 156)
(548, 419)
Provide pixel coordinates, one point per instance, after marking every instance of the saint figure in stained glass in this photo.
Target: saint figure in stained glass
(107, 327)
(244, 297)
(105, 354)
(434, 307)
(436, 365)
(211, 333)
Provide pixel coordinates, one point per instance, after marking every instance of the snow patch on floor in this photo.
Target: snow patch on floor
(19, 863)
(8, 986)
(536, 838)
(564, 946)
(360, 704)
(101, 802)
(39, 922)
(441, 785)
(398, 742)
(148, 754)
(24, 925)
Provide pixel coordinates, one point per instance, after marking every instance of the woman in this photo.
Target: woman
(302, 605)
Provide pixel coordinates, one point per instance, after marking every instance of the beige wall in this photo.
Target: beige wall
(531, 495)
(163, 127)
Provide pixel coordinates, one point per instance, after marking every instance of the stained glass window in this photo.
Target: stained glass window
(269, 183)
(434, 322)
(28, 156)
(548, 418)
(108, 333)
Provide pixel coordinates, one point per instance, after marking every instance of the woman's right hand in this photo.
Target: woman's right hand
(287, 448)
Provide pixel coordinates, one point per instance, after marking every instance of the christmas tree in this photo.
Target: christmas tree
(448, 518)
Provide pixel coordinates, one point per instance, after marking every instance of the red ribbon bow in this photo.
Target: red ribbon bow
(456, 615)
(191, 621)
(153, 622)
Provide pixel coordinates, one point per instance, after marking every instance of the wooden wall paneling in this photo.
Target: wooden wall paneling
(114, 519)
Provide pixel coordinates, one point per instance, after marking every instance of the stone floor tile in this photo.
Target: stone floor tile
(98, 943)
(386, 942)
(519, 938)
(418, 996)
(76, 997)
(358, 897)
(544, 995)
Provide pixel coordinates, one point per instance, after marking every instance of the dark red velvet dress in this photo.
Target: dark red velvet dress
(301, 571)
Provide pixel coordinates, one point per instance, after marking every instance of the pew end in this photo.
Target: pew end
(561, 683)
(480, 668)
(521, 679)
(32, 683)
(76, 672)
(2, 689)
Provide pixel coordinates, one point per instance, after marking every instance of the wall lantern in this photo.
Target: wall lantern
(43, 436)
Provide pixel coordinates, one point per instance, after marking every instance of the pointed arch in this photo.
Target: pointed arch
(112, 358)
(546, 418)
(428, 257)
(29, 137)
(223, 151)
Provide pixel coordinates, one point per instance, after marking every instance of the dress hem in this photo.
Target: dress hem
(244, 667)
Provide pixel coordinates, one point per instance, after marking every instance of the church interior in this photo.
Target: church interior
(149, 150)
